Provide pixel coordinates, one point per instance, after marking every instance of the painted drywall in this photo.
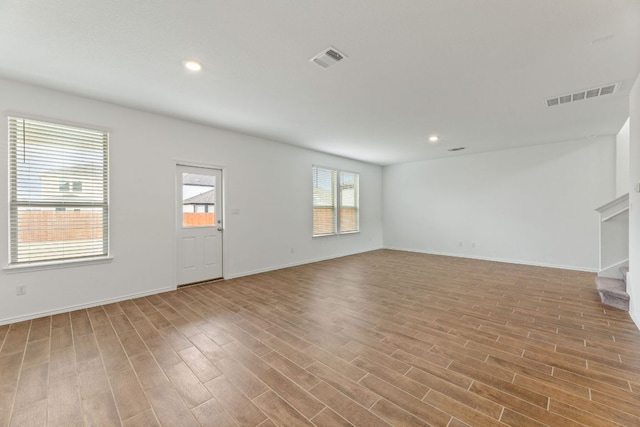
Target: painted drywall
(530, 205)
(633, 283)
(267, 182)
(622, 160)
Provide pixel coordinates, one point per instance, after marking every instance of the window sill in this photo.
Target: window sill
(53, 265)
(336, 234)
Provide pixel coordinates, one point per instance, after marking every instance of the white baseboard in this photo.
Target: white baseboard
(273, 268)
(165, 289)
(508, 261)
(633, 303)
(295, 264)
(635, 320)
(82, 306)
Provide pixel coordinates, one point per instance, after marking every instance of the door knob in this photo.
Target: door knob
(219, 228)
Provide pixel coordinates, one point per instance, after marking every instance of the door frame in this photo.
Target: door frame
(223, 186)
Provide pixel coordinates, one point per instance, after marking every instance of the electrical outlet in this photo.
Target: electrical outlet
(21, 290)
(292, 250)
(473, 245)
(459, 243)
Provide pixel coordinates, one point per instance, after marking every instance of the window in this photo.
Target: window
(198, 199)
(335, 202)
(58, 177)
(324, 201)
(348, 202)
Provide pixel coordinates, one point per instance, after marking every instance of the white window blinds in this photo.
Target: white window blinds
(335, 202)
(324, 201)
(349, 218)
(58, 192)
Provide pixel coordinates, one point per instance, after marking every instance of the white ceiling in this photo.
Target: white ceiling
(475, 72)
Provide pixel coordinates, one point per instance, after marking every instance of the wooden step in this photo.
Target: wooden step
(613, 292)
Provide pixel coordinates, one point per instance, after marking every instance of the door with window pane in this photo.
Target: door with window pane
(199, 224)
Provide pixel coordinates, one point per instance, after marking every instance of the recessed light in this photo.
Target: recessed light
(192, 65)
(434, 138)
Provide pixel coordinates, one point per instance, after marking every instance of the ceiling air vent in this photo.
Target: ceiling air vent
(583, 94)
(328, 57)
(456, 149)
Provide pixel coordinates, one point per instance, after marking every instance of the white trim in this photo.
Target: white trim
(178, 162)
(56, 120)
(613, 270)
(83, 306)
(53, 265)
(297, 263)
(635, 320)
(613, 215)
(272, 268)
(169, 288)
(508, 261)
(618, 203)
(632, 301)
(346, 233)
(310, 261)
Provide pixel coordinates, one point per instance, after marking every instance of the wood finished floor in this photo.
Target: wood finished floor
(383, 338)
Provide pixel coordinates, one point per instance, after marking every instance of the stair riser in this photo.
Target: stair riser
(613, 301)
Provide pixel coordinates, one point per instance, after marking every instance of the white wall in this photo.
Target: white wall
(270, 183)
(633, 284)
(531, 205)
(622, 160)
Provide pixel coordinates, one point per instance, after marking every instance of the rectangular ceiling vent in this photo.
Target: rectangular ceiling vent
(328, 57)
(582, 95)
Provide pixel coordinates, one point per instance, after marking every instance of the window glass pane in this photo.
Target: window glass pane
(198, 200)
(58, 166)
(47, 234)
(324, 201)
(348, 202)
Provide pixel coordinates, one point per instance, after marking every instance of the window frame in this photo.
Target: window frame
(337, 191)
(15, 201)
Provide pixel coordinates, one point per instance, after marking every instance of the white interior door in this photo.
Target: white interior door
(199, 224)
